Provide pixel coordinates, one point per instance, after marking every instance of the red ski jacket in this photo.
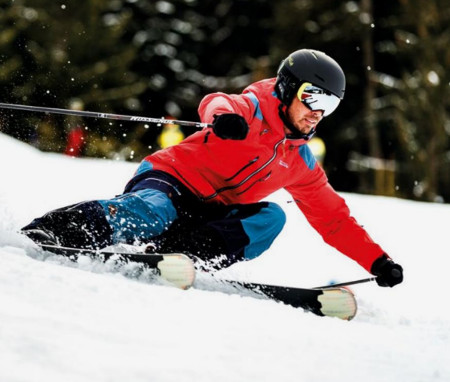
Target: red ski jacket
(246, 171)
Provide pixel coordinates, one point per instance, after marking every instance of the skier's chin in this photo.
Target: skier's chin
(304, 129)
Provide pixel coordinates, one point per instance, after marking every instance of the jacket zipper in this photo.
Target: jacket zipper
(284, 147)
(249, 176)
(242, 169)
(265, 177)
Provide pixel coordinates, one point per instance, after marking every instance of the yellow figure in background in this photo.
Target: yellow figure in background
(170, 135)
(318, 149)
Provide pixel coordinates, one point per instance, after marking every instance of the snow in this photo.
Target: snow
(63, 321)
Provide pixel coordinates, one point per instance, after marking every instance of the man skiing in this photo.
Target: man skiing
(203, 196)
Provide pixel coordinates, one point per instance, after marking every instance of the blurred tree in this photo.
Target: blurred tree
(389, 136)
(394, 120)
(55, 51)
(188, 48)
(415, 100)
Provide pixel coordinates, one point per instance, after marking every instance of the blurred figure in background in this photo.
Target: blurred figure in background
(76, 136)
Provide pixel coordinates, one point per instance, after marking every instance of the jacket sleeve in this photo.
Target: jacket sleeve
(329, 215)
(221, 103)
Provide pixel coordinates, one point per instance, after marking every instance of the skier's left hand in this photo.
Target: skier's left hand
(388, 272)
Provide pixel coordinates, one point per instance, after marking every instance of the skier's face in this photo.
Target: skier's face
(303, 119)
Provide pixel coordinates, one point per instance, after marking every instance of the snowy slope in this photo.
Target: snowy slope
(59, 322)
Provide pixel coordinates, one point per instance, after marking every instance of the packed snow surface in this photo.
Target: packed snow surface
(61, 321)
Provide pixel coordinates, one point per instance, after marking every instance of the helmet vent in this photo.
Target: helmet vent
(320, 78)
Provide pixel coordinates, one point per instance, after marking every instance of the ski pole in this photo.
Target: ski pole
(117, 117)
(347, 283)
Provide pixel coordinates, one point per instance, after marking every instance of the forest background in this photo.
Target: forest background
(390, 136)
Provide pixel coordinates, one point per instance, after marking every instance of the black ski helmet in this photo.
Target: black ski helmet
(307, 65)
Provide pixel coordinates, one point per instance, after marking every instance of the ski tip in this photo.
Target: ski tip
(338, 302)
(178, 269)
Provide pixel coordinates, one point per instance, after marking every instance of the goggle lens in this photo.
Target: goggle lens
(315, 98)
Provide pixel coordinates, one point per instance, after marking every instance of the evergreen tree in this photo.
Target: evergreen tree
(159, 58)
(188, 48)
(393, 122)
(54, 52)
(415, 100)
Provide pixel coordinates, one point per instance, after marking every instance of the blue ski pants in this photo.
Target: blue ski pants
(156, 208)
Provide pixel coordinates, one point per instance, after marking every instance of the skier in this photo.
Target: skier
(203, 196)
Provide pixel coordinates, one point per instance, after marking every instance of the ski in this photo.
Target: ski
(179, 270)
(176, 268)
(331, 302)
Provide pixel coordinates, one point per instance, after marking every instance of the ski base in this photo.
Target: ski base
(176, 268)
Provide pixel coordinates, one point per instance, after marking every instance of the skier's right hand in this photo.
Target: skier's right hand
(388, 272)
(230, 126)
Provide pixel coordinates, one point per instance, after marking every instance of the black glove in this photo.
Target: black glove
(388, 272)
(230, 126)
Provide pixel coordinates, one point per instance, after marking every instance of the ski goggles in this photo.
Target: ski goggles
(315, 98)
